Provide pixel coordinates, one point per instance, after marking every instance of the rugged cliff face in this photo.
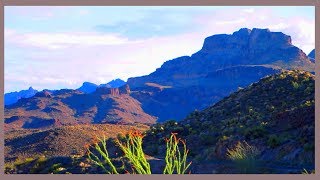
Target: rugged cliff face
(224, 63)
(252, 47)
(242, 48)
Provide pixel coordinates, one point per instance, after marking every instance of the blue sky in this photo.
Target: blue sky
(61, 47)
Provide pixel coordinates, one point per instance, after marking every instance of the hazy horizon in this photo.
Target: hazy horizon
(62, 47)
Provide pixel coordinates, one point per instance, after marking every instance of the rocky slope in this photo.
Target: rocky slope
(276, 115)
(71, 107)
(225, 63)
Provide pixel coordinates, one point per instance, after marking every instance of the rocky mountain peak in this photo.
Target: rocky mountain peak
(244, 47)
(243, 32)
(43, 93)
(113, 91)
(124, 89)
(31, 89)
(269, 39)
(256, 46)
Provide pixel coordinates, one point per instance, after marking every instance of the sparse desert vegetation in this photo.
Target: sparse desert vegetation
(244, 103)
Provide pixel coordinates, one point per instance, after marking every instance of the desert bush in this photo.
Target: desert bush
(207, 138)
(295, 85)
(245, 157)
(274, 141)
(255, 132)
(308, 147)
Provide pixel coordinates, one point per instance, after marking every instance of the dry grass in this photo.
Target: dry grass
(245, 157)
(62, 141)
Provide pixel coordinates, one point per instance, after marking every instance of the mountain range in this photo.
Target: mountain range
(252, 85)
(225, 63)
(87, 87)
(274, 115)
(13, 97)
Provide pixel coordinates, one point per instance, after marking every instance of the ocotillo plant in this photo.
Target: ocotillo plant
(103, 152)
(176, 161)
(133, 151)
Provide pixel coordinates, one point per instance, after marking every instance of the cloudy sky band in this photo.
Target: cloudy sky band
(61, 47)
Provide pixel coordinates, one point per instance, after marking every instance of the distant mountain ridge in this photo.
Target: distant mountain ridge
(114, 83)
(224, 64)
(87, 87)
(312, 55)
(71, 107)
(13, 97)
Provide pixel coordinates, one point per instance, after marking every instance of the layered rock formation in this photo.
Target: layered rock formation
(244, 47)
(224, 63)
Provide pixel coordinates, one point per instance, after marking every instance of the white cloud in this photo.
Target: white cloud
(302, 30)
(279, 26)
(64, 40)
(67, 59)
(249, 10)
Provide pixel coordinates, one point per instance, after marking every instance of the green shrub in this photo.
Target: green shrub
(255, 132)
(308, 147)
(295, 85)
(274, 141)
(207, 139)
